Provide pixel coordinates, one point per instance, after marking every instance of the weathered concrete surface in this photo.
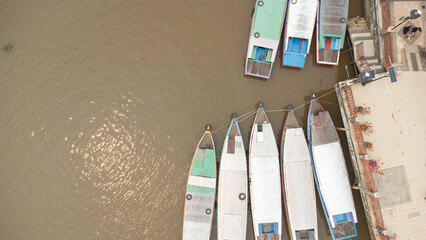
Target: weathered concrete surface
(399, 193)
(398, 117)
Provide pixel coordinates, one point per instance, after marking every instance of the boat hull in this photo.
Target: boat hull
(265, 33)
(330, 173)
(331, 28)
(298, 182)
(232, 187)
(265, 183)
(200, 191)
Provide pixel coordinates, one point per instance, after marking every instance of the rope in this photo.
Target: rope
(281, 110)
(240, 119)
(247, 115)
(217, 130)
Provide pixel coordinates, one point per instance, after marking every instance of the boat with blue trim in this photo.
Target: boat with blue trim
(298, 30)
(331, 28)
(298, 181)
(232, 188)
(330, 172)
(200, 190)
(265, 33)
(264, 179)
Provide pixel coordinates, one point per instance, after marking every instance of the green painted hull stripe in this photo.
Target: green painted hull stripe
(205, 168)
(202, 190)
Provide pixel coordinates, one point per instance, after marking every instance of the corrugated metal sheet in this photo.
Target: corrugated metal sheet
(333, 16)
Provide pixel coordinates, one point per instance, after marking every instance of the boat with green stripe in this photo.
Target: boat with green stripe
(201, 190)
(265, 33)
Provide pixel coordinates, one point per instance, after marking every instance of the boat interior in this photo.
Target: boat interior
(260, 117)
(255, 68)
(328, 55)
(231, 138)
(305, 234)
(268, 231)
(315, 107)
(206, 142)
(291, 121)
(260, 62)
(344, 229)
(323, 130)
(261, 54)
(329, 49)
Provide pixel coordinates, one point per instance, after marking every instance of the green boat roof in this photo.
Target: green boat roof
(269, 18)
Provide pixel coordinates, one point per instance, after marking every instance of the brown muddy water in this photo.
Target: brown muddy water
(102, 104)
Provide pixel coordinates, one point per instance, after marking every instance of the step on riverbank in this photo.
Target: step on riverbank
(363, 46)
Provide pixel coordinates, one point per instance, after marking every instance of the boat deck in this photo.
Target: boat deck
(300, 19)
(343, 230)
(258, 68)
(328, 55)
(206, 142)
(324, 131)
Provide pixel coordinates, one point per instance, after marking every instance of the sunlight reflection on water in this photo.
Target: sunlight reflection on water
(126, 167)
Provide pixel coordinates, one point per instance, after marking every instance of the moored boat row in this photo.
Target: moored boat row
(298, 20)
(301, 167)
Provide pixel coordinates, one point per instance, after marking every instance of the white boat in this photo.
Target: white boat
(264, 179)
(298, 181)
(330, 173)
(200, 191)
(298, 30)
(232, 188)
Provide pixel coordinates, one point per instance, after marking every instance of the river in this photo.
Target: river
(102, 104)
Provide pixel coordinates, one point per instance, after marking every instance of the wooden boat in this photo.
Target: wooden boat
(264, 179)
(298, 181)
(265, 33)
(331, 29)
(200, 190)
(232, 188)
(330, 173)
(298, 30)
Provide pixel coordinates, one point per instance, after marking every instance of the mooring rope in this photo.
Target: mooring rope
(247, 115)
